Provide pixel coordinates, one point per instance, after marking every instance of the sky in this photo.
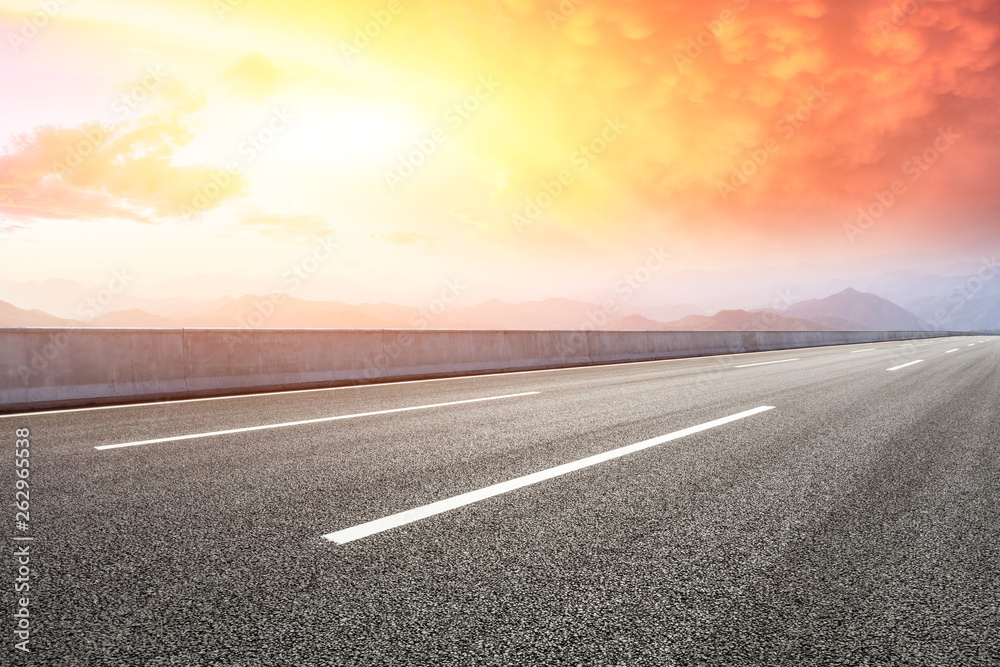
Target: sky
(525, 148)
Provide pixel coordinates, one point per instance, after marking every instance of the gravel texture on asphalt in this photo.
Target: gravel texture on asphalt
(857, 523)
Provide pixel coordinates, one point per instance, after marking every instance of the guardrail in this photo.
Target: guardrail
(44, 368)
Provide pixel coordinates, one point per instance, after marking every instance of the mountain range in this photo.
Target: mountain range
(849, 309)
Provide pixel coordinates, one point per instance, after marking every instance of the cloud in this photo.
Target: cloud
(894, 80)
(751, 65)
(116, 168)
(254, 76)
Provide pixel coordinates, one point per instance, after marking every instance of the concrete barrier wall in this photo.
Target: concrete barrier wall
(413, 354)
(527, 350)
(48, 368)
(217, 360)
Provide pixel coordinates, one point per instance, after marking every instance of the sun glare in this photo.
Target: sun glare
(348, 133)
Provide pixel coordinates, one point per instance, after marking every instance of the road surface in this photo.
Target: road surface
(834, 505)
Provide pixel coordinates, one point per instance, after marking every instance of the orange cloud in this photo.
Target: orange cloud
(751, 77)
(120, 168)
(766, 115)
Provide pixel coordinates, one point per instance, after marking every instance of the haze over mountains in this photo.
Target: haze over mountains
(959, 295)
(849, 309)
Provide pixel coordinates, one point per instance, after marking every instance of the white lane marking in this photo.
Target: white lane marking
(871, 349)
(970, 345)
(955, 350)
(188, 400)
(416, 514)
(766, 363)
(896, 368)
(361, 386)
(319, 420)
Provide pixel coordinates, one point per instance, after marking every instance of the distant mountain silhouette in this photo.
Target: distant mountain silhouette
(724, 320)
(846, 310)
(965, 303)
(853, 310)
(285, 312)
(635, 323)
(178, 308)
(664, 313)
(733, 320)
(132, 318)
(556, 313)
(12, 316)
(741, 320)
(689, 323)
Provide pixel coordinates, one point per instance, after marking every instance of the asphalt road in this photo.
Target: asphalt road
(856, 522)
